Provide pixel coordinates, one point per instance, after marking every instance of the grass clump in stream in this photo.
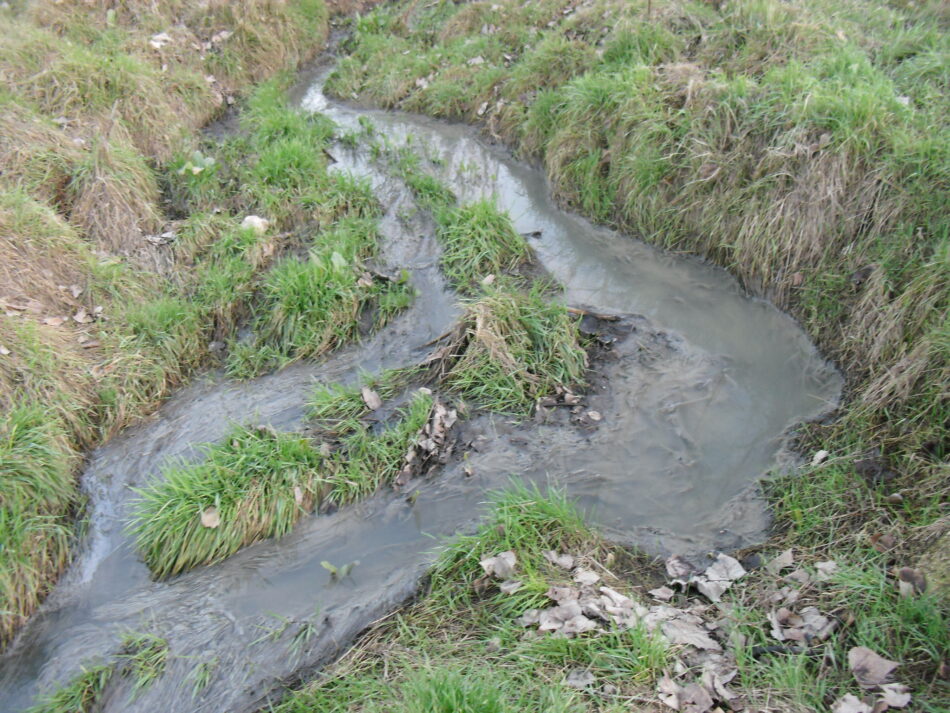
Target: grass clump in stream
(461, 648)
(514, 347)
(257, 483)
(478, 240)
(80, 695)
(252, 485)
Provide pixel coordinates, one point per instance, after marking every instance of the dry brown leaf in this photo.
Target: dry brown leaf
(210, 518)
(501, 566)
(564, 561)
(371, 398)
(850, 704)
(869, 668)
(895, 695)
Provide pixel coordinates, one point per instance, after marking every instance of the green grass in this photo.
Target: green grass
(38, 493)
(141, 660)
(366, 459)
(80, 695)
(478, 240)
(517, 347)
(337, 409)
(460, 650)
(82, 196)
(253, 480)
(256, 484)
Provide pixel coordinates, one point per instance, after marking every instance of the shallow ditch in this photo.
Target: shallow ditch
(696, 391)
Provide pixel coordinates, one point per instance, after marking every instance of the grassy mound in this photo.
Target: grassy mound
(257, 484)
(514, 347)
(253, 485)
(478, 240)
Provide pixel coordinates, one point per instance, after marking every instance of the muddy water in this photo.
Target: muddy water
(697, 393)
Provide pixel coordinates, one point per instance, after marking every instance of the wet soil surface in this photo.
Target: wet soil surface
(696, 390)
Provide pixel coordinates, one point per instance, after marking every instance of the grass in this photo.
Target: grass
(457, 649)
(514, 347)
(141, 660)
(144, 657)
(478, 240)
(80, 694)
(257, 483)
(99, 324)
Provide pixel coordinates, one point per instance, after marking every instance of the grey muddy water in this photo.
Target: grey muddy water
(697, 401)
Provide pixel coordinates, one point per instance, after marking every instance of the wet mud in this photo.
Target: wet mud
(696, 390)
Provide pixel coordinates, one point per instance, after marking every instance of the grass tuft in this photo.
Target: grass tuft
(515, 348)
(256, 482)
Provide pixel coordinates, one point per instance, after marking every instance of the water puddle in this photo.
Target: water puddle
(704, 385)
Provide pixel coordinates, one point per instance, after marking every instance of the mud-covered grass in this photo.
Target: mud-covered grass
(257, 483)
(141, 661)
(461, 648)
(513, 347)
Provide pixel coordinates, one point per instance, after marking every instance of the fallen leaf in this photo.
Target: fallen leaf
(55, 321)
(82, 317)
(819, 457)
(510, 586)
(895, 695)
(869, 668)
(564, 561)
(586, 577)
(210, 517)
(850, 704)
(554, 618)
(501, 566)
(826, 570)
(677, 567)
(679, 631)
(371, 398)
(913, 577)
(782, 561)
(579, 678)
(4, 351)
(664, 594)
(668, 692)
(577, 625)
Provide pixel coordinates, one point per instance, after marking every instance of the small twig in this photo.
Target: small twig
(597, 315)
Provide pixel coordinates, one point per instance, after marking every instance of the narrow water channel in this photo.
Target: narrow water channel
(700, 396)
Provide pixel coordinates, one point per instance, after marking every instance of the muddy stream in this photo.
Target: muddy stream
(703, 389)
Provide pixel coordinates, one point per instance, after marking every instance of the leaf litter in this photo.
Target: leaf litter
(704, 664)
